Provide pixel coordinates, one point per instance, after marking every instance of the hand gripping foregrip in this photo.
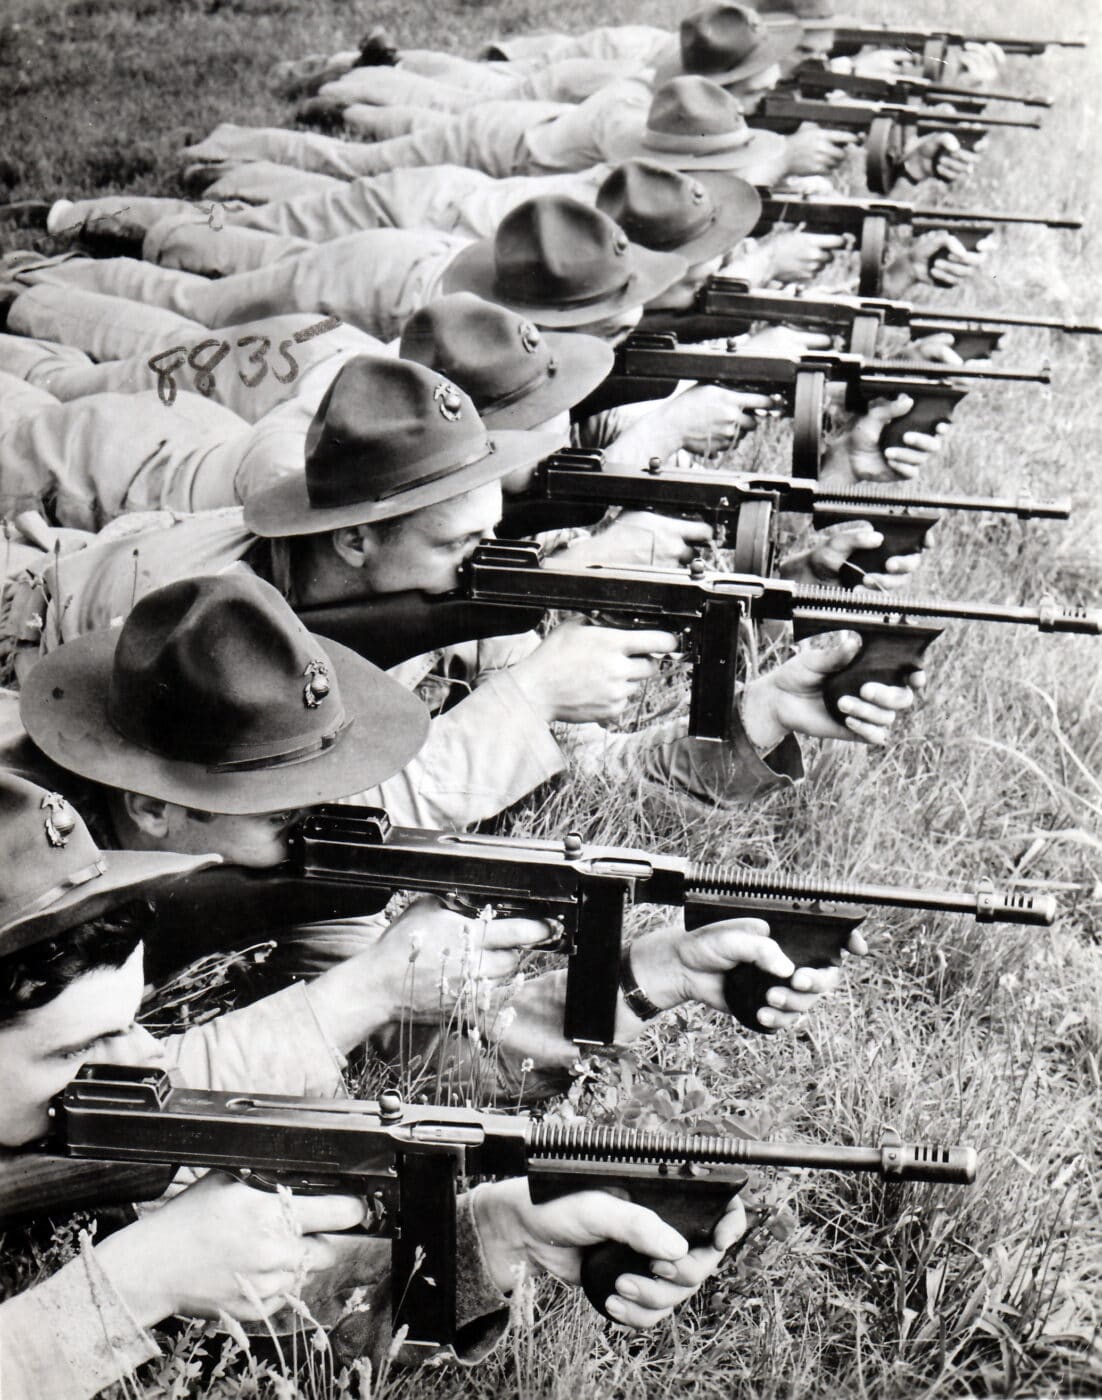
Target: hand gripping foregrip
(903, 532)
(931, 407)
(692, 1204)
(890, 654)
(809, 933)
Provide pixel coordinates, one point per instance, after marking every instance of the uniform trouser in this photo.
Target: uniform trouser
(489, 137)
(62, 327)
(571, 80)
(264, 181)
(88, 461)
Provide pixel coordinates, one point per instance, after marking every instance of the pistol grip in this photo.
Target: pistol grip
(976, 345)
(811, 935)
(928, 412)
(889, 656)
(693, 1213)
(902, 534)
(968, 235)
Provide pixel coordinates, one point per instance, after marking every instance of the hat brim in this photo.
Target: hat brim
(781, 39)
(64, 709)
(582, 362)
(738, 209)
(129, 875)
(284, 508)
(650, 274)
(763, 148)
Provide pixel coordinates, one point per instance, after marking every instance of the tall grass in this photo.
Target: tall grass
(846, 1287)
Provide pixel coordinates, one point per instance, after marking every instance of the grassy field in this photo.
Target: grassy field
(947, 1032)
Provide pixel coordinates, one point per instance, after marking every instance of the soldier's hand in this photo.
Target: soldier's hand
(938, 156)
(884, 63)
(796, 256)
(940, 259)
(789, 699)
(581, 673)
(224, 1247)
(429, 953)
(711, 418)
(813, 149)
(674, 965)
(784, 341)
(518, 1236)
(858, 455)
(642, 537)
(832, 548)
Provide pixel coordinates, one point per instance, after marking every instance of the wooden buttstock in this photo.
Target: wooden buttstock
(39, 1183)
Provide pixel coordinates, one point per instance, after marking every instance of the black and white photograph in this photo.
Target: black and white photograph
(550, 700)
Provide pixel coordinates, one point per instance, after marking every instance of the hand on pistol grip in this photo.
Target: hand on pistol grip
(926, 414)
(889, 655)
(704, 1210)
(808, 936)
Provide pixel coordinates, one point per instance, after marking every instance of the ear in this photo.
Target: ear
(149, 815)
(355, 545)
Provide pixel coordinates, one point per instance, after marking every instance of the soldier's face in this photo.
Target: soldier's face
(92, 1019)
(426, 550)
(258, 840)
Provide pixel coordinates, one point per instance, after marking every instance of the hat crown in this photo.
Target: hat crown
(47, 848)
(656, 205)
(554, 250)
(496, 356)
(719, 38)
(693, 107)
(219, 671)
(384, 427)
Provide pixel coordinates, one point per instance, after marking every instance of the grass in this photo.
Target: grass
(848, 1288)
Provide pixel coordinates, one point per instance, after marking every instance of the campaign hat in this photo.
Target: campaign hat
(389, 437)
(727, 44)
(562, 263)
(517, 375)
(694, 124)
(212, 694)
(699, 216)
(53, 876)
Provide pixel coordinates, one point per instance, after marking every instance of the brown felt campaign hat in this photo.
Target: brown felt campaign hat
(699, 216)
(562, 263)
(389, 437)
(213, 695)
(727, 44)
(53, 876)
(517, 375)
(694, 124)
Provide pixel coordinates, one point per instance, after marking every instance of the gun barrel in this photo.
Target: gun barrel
(923, 368)
(1024, 507)
(989, 216)
(950, 319)
(892, 1159)
(807, 599)
(986, 906)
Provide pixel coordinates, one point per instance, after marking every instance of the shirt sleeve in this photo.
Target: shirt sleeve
(69, 1337)
(665, 755)
(274, 1046)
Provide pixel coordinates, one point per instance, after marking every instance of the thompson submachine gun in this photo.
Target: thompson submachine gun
(933, 46)
(813, 76)
(650, 365)
(576, 487)
(729, 306)
(886, 127)
(869, 221)
(410, 1161)
(508, 586)
(347, 862)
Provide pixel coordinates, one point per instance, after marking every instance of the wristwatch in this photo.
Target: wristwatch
(637, 1000)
